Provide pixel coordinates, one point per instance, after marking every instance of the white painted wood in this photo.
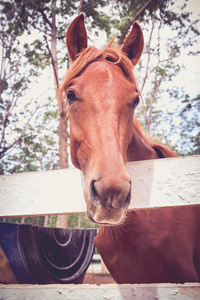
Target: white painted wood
(187, 291)
(165, 182)
(161, 182)
(41, 193)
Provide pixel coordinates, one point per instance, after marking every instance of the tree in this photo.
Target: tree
(14, 81)
(185, 124)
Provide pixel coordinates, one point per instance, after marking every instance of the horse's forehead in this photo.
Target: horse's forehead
(103, 70)
(104, 84)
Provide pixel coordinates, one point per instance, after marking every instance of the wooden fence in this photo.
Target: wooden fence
(164, 182)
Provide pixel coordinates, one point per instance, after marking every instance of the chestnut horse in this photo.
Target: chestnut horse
(138, 246)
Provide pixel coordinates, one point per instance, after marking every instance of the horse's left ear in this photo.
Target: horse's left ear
(76, 37)
(134, 44)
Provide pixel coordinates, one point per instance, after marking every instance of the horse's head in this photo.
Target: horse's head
(102, 95)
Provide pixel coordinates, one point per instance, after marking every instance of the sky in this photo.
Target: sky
(190, 77)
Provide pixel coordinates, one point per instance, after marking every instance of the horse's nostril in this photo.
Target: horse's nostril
(94, 191)
(127, 200)
(94, 194)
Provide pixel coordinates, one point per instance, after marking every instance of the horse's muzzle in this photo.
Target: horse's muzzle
(108, 200)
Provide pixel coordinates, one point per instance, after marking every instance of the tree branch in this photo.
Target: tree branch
(5, 149)
(44, 16)
(156, 84)
(53, 63)
(39, 29)
(80, 8)
(149, 54)
(86, 4)
(134, 19)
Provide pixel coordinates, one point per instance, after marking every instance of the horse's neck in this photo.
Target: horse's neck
(140, 148)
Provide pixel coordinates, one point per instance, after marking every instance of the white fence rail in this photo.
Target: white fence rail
(161, 182)
(188, 291)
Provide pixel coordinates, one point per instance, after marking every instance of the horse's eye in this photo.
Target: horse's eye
(71, 96)
(136, 102)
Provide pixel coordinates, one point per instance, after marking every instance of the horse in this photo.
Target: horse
(142, 245)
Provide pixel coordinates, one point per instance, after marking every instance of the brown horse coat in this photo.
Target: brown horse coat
(153, 246)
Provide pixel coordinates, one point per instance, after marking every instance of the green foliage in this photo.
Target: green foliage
(37, 151)
(15, 220)
(52, 220)
(180, 128)
(75, 221)
(85, 223)
(80, 221)
(189, 127)
(94, 13)
(37, 221)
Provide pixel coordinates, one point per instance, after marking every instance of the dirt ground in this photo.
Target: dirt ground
(98, 279)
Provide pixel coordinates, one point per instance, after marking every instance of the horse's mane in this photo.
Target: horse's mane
(113, 55)
(162, 150)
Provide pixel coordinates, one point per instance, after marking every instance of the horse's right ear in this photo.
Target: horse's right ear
(76, 37)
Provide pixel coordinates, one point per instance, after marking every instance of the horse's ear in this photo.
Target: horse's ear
(76, 37)
(134, 44)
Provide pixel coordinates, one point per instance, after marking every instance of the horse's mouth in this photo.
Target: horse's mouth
(106, 222)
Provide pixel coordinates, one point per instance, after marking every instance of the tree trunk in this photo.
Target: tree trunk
(62, 220)
(46, 221)
(80, 8)
(62, 131)
(157, 83)
(54, 59)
